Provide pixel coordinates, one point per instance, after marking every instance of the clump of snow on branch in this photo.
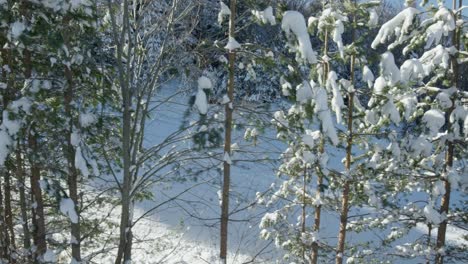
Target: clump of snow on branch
(323, 113)
(436, 57)
(311, 137)
(373, 18)
(232, 44)
(434, 120)
(390, 71)
(337, 100)
(294, 22)
(390, 110)
(303, 92)
(204, 83)
(80, 163)
(266, 16)
(368, 76)
(17, 28)
(201, 100)
(432, 215)
(399, 26)
(223, 12)
(67, 207)
(337, 24)
(443, 23)
(412, 70)
(409, 102)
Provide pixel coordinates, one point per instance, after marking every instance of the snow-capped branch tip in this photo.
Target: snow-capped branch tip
(204, 83)
(223, 12)
(266, 16)
(232, 44)
(403, 21)
(294, 21)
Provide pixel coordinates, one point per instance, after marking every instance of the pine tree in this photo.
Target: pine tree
(425, 91)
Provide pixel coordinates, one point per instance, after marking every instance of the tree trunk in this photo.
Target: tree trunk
(227, 142)
(9, 215)
(304, 213)
(444, 208)
(38, 220)
(346, 187)
(317, 217)
(318, 208)
(3, 230)
(72, 180)
(343, 223)
(125, 232)
(39, 233)
(445, 203)
(429, 233)
(22, 200)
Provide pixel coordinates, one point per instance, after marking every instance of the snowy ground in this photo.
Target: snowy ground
(185, 230)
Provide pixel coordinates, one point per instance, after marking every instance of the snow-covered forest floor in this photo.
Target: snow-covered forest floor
(185, 229)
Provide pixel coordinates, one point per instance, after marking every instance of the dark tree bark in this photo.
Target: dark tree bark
(23, 201)
(72, 179)
(3, 229)
(39, 231)
(9, 215)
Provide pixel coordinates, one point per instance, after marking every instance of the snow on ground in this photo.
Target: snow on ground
(186, 229)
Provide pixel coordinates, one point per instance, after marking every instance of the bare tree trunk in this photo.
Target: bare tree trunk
(39, 233)
(3, 230)
(304, 213)
(9, 214)
(227, 142)
(346, 187)
(444, 208)
(22, 200)
(125, 238)
(317, 218)
(20, 172)
(38, 220)
(343, 223)
(72, 180)
(445, 203)
(429, 233)
(5, 207)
